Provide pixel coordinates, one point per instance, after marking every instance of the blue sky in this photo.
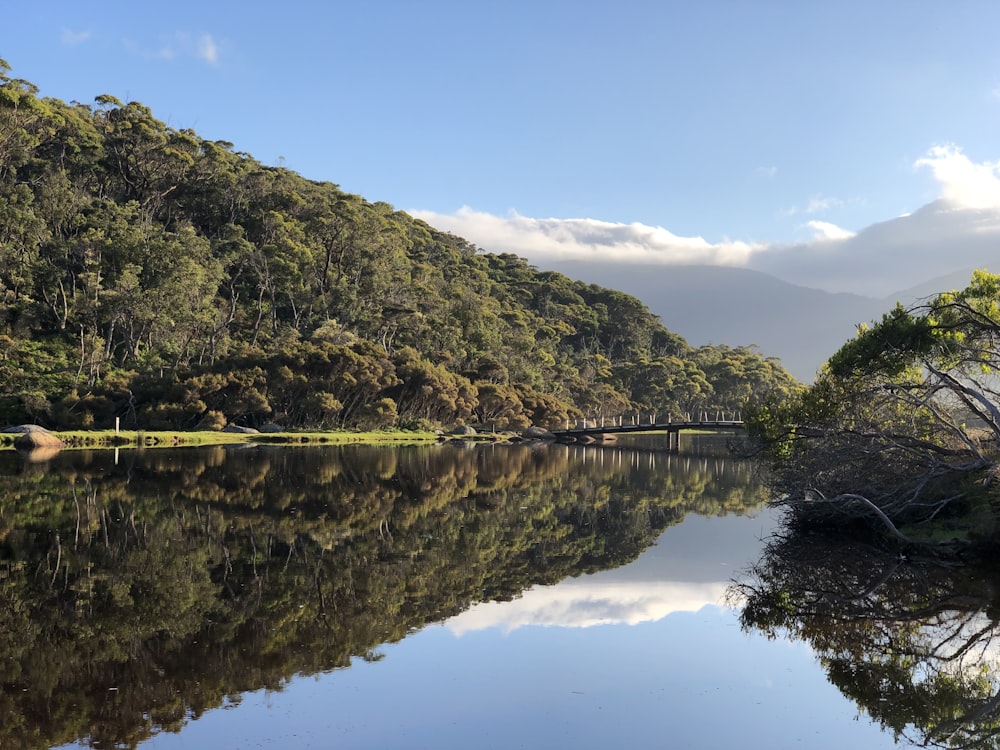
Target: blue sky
(719, 127)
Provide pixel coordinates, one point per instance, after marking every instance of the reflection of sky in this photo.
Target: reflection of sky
(583, 603)
(681, 573)
(683, 676)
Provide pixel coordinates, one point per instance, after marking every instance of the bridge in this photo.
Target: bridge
(590, 430)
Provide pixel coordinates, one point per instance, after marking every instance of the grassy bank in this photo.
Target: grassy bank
(168, 439)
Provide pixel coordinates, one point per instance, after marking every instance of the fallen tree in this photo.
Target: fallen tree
(900, 434)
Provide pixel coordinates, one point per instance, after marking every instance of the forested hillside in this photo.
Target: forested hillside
(171, 281)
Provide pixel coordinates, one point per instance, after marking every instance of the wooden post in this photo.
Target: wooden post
(117, 424)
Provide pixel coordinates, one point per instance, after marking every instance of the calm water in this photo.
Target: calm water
(437, 597)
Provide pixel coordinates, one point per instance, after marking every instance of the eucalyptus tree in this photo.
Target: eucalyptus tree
(902, 426)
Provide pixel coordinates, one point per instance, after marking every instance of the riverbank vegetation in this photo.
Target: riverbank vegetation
(173, 282)
(190, 438)
(901, 431)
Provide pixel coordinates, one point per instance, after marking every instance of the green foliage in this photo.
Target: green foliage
(887, 349)
(152, 266)
(906, 415)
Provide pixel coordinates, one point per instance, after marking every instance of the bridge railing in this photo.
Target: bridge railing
(650, 418)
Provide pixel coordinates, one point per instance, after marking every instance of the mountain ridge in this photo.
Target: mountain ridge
(722, 305)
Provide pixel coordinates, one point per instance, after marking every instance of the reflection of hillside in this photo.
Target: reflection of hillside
(179, 579)
(915, 644)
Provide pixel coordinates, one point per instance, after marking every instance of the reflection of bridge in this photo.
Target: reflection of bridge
(673, 429)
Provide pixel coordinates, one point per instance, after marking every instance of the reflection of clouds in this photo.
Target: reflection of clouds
(583, 603)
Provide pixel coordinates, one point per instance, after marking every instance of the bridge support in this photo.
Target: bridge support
(673, 441)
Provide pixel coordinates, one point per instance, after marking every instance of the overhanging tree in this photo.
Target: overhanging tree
(903, 425)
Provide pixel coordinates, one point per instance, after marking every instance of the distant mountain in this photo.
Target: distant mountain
(739, 307)
(948, 282)
(903, 252)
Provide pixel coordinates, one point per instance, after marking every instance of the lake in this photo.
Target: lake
(464, 595)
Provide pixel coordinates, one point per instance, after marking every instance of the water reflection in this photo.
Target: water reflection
(585, 603)
(138, 591)
(915, 643)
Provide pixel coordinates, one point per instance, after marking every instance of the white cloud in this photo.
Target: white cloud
(73, 38)
(585, 239)
(827, 231)
(208, 50)
(881, 259)
(959, 231)
(935, 240)
(963, 183)
(582, 603)
(817, 204)
(180, 44)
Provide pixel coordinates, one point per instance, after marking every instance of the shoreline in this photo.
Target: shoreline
(104, 439)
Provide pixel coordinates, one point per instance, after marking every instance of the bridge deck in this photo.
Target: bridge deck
(710, 424)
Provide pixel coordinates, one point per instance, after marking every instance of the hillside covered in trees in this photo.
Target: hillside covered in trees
(171, 281)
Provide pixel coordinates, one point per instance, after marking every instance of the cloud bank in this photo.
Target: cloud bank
(959, 230)
(585, 603)
(586, 239)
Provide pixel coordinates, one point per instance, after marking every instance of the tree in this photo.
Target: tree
(22, 122)
(903, 421)
(741, 375)
(146, 255)
(429, 392)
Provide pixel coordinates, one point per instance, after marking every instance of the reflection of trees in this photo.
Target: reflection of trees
(914, 642)
(136, 595)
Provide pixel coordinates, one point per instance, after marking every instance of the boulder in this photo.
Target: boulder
(537, 433)
(271, 428)
(24, 428)
(32, 436)
(240, 430)
(463, 429)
